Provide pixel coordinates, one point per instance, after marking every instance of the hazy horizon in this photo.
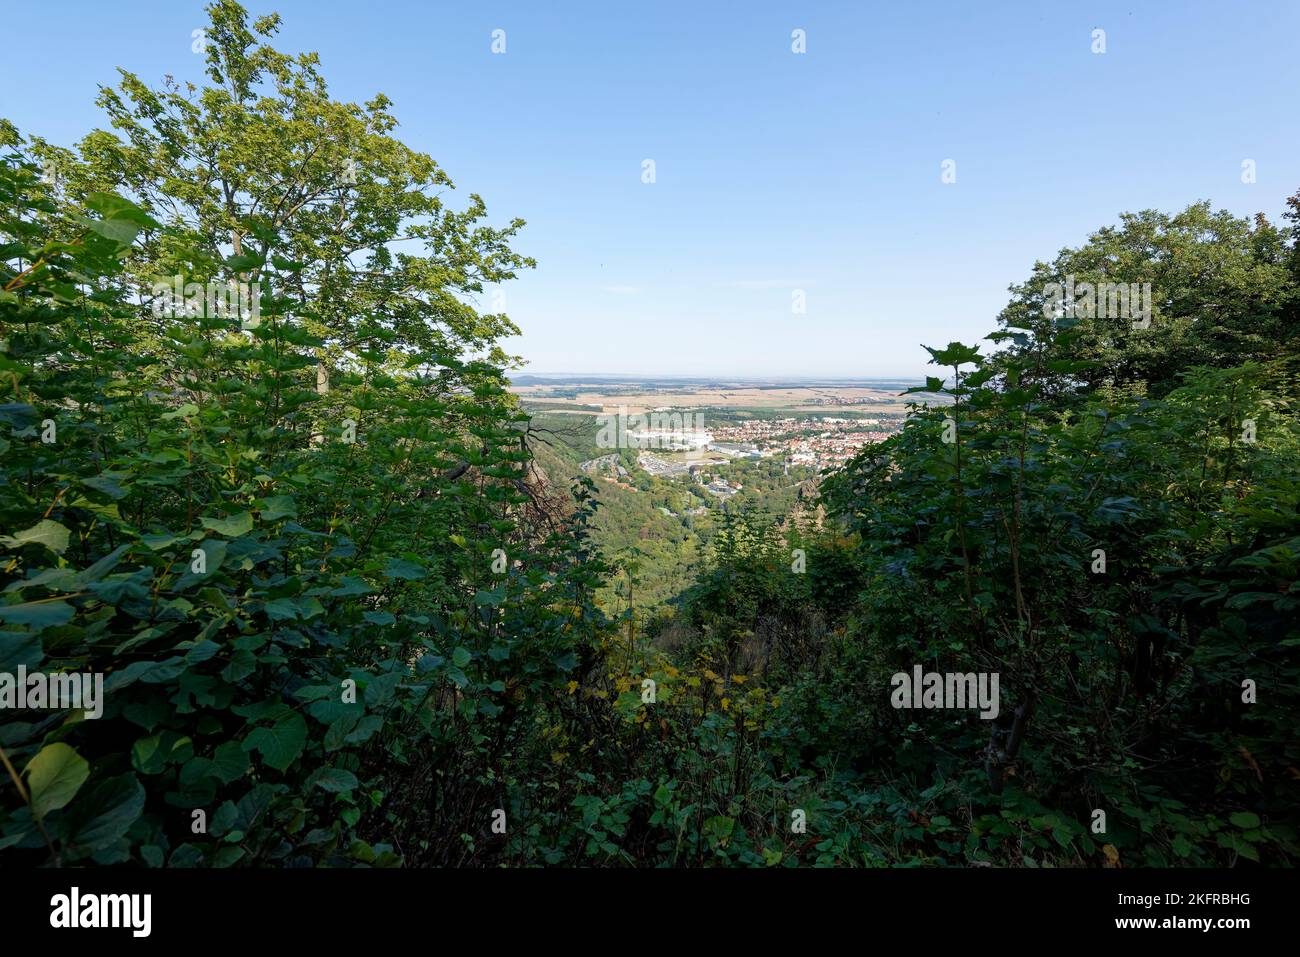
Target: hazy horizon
(706, 377)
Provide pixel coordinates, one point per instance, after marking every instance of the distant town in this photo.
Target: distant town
(820, 443)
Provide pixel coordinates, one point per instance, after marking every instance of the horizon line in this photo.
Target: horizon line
(722, 375)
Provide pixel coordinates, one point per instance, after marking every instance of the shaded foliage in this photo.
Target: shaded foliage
(340, 621)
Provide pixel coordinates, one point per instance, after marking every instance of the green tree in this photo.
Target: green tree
(303, 552)
(1221, 294)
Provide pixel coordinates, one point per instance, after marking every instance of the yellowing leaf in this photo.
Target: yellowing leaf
(50, 534)
(54, 776)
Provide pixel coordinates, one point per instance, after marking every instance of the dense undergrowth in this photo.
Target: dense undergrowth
(340, 620)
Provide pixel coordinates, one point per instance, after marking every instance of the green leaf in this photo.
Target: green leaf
(336, 734)
(39, 614)
(380, 688)
(180, 412)
(54, 776)
(147, 756)
(288, 609)
(400, 568)
(102, 567)
(227, 856)
(954, 355)
(229, 762)
(336, 780)
(223, 819)
(112, 206)
(45, 532)
(278, 506)
(242, 664)
(20, 649)
(106, 813)
(117, 589)
(152, 855)
(244, 262)
(1244, 820)
(18, 415)
(120, 231)
(460, 657)
(351, 586)
(365, 729)
(105, 485)
(201, 651)
(281, 609)
(281, 743)
(232, 526)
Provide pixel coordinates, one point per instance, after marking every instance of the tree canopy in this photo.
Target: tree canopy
(263, 476)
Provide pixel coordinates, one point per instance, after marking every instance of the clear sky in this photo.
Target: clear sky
(775, 171)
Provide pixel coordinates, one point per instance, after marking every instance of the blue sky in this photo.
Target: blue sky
(774, 171)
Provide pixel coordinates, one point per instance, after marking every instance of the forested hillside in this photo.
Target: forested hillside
(260, 470)
(656, 532)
